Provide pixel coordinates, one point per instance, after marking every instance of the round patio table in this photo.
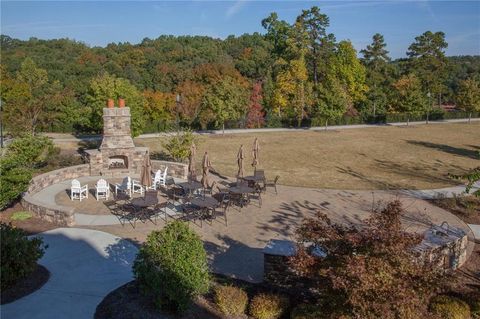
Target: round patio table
(142, 203)
(190, 186)
(241, 190)
(204, 202)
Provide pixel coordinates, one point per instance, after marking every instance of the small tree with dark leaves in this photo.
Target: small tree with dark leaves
(369, 271)
(255, 115)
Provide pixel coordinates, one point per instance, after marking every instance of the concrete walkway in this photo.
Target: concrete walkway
(85, 265)
(59, 138)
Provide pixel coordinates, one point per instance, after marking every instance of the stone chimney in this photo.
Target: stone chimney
(117, 155)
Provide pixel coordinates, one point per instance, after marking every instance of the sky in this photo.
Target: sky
(98, 23)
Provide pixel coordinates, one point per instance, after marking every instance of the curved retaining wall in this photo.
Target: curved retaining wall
(63, 215)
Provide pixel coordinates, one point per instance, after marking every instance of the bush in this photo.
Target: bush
(171, 267)
(19, 254)
(268, 306)
(178, 146)
(447, 307)
(232, 301)
(22, 156)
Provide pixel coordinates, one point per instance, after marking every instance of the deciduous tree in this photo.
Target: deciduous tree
(226, 100)
(255, 115)
(367, 271)
(468, 97)
(409, 96)
(106, 86)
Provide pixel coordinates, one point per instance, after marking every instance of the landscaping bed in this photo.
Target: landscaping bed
(30, 224)
(26, 286)
(128, 302)
(467, 208)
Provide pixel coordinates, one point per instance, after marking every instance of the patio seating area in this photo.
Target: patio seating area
(167, 198)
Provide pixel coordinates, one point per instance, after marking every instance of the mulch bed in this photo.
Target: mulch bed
(467, 208)
(25, 286)
(128, 302)
(32, 225)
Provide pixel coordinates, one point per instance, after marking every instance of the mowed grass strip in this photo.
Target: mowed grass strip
(415, 157)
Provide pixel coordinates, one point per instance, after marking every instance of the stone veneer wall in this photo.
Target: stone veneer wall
(175, 169)
(41, 181)
(62, 215)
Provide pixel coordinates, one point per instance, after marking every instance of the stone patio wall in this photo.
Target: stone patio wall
(41, 181)
(59, 215)
(64, 216)
(175, 169)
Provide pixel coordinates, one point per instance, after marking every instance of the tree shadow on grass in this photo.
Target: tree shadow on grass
(469, 153)
(410, 172)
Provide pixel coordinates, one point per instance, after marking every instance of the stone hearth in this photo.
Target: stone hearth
(117, 155)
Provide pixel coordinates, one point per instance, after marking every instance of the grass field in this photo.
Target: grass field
(416, 157)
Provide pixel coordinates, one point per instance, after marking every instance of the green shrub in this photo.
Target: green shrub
(232, 301)
(268, 306)
(178, 146)
(171, 267)
(19, 254)
(22, 156)
(447, 307)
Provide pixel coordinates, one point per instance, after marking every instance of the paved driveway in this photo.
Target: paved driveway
(85, 265)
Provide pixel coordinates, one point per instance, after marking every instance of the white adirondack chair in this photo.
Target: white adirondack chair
(156, 179)
(78, 191)
(163, 177)
(102, 189)
(137, 187)
(125, 186)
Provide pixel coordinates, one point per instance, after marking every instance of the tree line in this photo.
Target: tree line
(291, 74)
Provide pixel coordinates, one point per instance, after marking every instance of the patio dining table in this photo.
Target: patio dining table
(243, 193)
(241, 190)
(190, 186)
(142, 203)
(204, 202)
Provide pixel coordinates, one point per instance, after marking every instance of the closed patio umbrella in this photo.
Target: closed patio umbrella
(206, 168)
(255, 151)
(191, 163)
(240, 157)
(145, 176)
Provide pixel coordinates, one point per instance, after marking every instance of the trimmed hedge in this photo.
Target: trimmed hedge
(171, 267)
(19, 254)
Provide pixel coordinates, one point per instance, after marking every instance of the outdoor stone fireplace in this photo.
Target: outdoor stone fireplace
(117, 154)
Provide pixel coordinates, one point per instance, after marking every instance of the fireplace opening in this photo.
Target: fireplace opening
(118, 161)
